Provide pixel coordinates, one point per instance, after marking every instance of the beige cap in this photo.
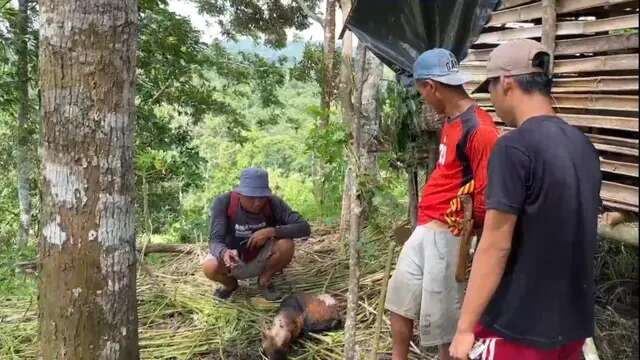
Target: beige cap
(512, 58)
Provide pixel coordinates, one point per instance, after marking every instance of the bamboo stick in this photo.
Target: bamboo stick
(563, 28)
(382, 298)
(549, 29)
(536, 10)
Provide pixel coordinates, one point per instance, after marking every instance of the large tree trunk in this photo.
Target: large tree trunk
(24, 137)
(87, 302)
(345, 93)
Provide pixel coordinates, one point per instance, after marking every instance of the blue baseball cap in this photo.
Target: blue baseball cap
(439, 65)
(254, 182)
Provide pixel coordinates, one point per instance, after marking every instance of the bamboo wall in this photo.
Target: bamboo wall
(596, 77)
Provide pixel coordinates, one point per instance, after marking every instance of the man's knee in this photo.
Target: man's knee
(212, 268)
(401, 325)
(283, 249)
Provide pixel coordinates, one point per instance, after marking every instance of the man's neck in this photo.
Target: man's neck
(532, 106)
(457, 105)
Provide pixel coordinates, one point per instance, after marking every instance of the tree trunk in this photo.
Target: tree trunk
(87, 302)
(369, 77)
(364, 132)
(346, 202)
(353, 122)
(345, 93)
(328, 62)
(326, 98)
(24, 137)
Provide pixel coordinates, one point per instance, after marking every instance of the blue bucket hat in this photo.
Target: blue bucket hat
(439, 65)
(254, 182)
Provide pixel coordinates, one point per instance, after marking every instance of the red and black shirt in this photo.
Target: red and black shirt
(466, 142)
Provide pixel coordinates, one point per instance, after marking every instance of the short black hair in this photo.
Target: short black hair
(447, 86)
(537, 82)
(455, 88)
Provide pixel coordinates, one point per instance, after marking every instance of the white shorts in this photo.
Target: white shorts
(423, 286)
(253, 268)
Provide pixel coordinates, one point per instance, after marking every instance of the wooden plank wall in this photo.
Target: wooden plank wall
(596, 78)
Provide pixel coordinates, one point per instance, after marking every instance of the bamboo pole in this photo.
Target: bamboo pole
(381, 300)
(350, 351)
(549, 29)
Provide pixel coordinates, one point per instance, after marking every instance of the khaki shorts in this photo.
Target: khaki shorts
(423, 285)
(253, 268)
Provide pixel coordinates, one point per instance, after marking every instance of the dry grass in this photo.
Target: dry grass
(617, 302)
(180, 320)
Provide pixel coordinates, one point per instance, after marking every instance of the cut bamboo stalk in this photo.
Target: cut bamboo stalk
(619, 206)
(596, 121)
(624, 194)
(597, 64)
(617, 141)
(549, 29)
(382, 298)
(506, 4)
(535, 10)
(616, 149)
(618, 167)
(584, 65)
(605, 122)
(586, 101)
(596, 84)
(564, 28)
(597, 44)
(594, 44)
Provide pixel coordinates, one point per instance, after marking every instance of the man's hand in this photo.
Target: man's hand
(461, 345)
(231, 258)
(257, 240)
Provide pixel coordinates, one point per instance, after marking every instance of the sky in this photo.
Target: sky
(210, 30)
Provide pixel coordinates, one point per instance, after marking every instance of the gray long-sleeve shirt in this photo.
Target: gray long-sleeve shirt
(227, 235)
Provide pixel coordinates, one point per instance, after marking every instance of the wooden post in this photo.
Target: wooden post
(549, 28)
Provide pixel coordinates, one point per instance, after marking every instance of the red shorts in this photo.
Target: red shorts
(497, 348)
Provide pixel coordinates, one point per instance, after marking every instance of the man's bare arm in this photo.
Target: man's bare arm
(488, 267)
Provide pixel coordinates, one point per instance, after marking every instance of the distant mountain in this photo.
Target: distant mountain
(293, 51)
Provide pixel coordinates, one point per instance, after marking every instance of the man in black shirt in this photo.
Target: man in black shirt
(531, 291)
(251, 235)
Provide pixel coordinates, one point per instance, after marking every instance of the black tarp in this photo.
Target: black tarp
(398, 31)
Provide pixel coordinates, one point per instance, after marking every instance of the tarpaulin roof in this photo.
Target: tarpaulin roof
(398, 31)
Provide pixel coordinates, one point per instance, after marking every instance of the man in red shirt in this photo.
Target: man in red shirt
(423, 285)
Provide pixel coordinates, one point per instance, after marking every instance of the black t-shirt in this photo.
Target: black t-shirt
(548, 174)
